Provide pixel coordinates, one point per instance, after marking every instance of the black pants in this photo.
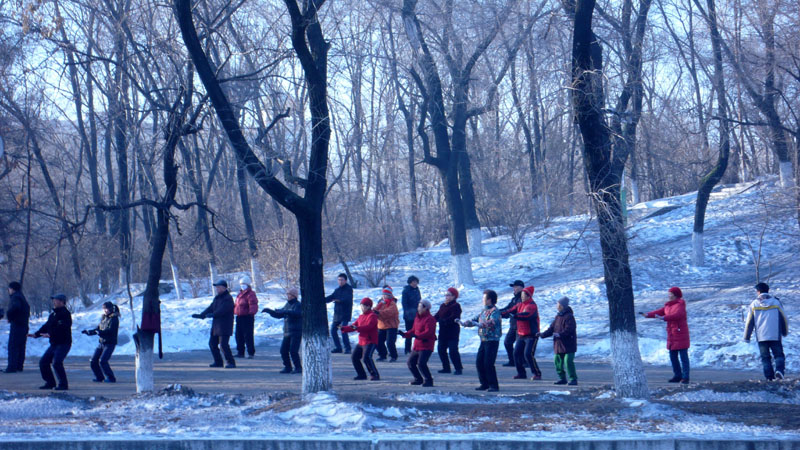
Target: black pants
(335, 335)
(290, 351)
(221, 342)
(364, 353)
(525, 350)
(484, 362)
(245, 326)
(508, 343)
(387, 339)
(54, 355)
(776, 347)
(409, 326)
(17, 338)
(418, 365)
(99, 362)
(680, 363)
(451, 345)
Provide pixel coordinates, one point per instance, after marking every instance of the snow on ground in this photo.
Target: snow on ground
(179, 413)
(564, 259)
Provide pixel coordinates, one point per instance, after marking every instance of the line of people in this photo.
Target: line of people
(378, 328)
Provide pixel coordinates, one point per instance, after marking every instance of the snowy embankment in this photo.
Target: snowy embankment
(563, 258)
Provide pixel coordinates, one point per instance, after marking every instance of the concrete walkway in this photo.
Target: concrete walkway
(261, 375)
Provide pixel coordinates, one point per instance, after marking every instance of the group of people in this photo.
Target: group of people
(378, 326)
(58, 330)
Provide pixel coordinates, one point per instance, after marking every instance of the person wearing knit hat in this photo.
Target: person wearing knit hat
(674, 314)
(245, 309)
(490, 328)
(367, 328)
(766, 319)
(107, 332)
(292, 315)
(388, 322)
(447, 316)
(565, 342)
(527, 315)
(424, 334)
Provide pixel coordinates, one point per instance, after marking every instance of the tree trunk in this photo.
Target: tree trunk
(311, 49)
(715, 175)
(588, 102)
(241, 177)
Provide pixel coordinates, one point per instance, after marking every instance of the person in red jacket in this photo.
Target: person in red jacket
(245, 309)
(424, 334)
(367, 327)
(527, 315)
(674, 313)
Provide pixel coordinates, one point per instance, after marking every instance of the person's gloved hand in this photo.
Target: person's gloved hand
(197, 316)
(556, 335)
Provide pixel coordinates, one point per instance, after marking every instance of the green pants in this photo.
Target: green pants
(565, 365)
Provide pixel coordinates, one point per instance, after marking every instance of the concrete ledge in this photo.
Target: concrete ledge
(399, 444)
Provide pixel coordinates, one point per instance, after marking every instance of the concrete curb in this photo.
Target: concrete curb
(399, 444)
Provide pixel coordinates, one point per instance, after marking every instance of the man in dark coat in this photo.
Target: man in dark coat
(342, 299)
(18, 314)
(410, 300)
(292, 315)
(58, 329)
(221, 310)
(565, 342)
(511, 335)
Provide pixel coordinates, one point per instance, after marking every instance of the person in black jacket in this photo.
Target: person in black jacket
(410, 300)
(342, 299)
(221, 309)
(58, 329)
(18, 314)
(292, 313)
(107, 330)
(511, 335)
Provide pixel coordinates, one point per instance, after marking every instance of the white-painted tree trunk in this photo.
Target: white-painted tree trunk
(255, 274)
(144, 368)
(698, 255)
(474, 237)
(787, 179)
(212, 272)
(176, 280)
(317, 372)
(123, 277)
(461, 270)
(629, 377)
(635, 192)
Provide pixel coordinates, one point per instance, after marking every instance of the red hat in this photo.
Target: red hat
(528, 290)
(453, 291)
(387, 290)
(676, 291)
(366, 301)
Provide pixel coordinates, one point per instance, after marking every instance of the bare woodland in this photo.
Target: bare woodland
(143, 141)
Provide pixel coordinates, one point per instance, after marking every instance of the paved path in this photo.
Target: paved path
(261, 375)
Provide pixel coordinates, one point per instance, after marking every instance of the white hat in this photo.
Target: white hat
(245, 280)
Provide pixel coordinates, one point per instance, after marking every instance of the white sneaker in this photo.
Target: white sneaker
(778, 375)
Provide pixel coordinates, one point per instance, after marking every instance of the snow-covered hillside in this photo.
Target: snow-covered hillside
(564, 259)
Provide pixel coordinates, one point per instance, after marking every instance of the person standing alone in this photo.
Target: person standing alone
(18, 315)
(767, 319)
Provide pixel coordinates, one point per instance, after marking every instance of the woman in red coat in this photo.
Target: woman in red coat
(674, 313)
(424, 334)
(367, 327)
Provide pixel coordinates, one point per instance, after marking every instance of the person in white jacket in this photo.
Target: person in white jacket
(767, 320)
